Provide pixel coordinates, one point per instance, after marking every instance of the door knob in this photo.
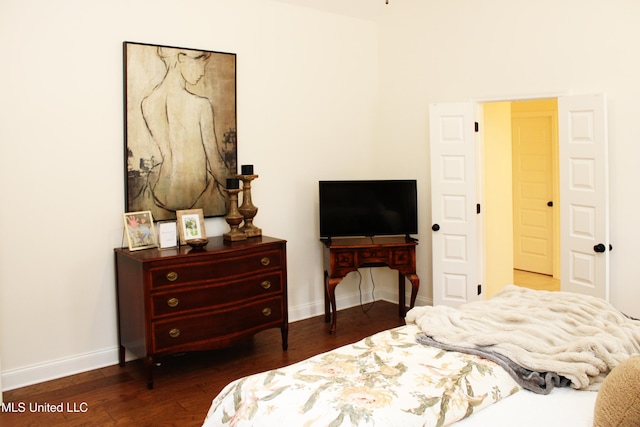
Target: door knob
(599, 247)
(435, 227)
(549, 203)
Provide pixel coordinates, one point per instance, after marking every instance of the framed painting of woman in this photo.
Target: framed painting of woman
(180, 129)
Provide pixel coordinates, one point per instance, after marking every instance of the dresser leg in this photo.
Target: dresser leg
(121, 356)
(285, 337)
(149, 363)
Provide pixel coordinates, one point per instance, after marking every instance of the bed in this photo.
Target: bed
(533, 356)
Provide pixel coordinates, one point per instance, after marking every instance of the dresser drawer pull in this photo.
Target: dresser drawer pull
(266, 312)
(266, 284)
(172, 277)
(265, 261)
(174, 333)
(173, 302)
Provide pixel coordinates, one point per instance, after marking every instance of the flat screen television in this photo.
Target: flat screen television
(368, 208)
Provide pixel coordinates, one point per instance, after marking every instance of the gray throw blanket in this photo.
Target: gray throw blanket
(537, 382)
(544, 339)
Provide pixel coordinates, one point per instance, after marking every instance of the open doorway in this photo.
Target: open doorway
(465, 235)
(521, 186)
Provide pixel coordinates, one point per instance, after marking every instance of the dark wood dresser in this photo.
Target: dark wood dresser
(183, 299)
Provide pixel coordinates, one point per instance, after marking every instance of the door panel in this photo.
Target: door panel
(584, 194)
(453, 204)
(532, 191)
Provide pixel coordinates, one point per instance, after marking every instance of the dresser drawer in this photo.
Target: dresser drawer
(179, 300)
(218, 325)
(223, 268)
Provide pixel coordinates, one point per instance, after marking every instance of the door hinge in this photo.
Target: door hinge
(479, 289)
(477, 127)
(478, 208)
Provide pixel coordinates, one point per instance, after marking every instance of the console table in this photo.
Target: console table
(183, 299)
(344, 255)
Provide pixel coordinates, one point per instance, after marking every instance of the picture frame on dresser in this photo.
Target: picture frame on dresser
(190, 225)
(167, 234)
(140, 230)
(185, 169)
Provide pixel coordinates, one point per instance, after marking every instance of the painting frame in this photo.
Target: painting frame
(190, 225)
(140, 230)
(168, 170)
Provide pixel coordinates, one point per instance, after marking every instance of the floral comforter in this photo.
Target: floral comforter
(386, 379)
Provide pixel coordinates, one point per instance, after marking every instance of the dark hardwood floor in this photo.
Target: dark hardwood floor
(184, 385)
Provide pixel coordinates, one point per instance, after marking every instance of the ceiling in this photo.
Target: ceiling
(363, 9)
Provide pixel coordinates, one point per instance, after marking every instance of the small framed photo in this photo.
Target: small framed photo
(140, 231)
(167, 234)
(191, 225)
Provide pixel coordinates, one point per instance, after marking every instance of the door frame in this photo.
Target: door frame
(455, 112)
(478, 103)
(478, 107)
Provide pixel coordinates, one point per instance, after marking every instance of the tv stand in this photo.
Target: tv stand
(344, 255)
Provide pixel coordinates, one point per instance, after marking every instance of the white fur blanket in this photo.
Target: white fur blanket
(576, 336)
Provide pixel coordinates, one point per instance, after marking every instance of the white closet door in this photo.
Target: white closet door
(584, 198)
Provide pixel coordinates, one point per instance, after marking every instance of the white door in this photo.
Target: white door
(533, 192)
(584, 207)
(453, 204)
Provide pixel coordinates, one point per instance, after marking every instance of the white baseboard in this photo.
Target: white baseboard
(352, 300)
(46, 371)
(41, 372)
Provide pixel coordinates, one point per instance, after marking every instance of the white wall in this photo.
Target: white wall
(464, 50)
(307, 92)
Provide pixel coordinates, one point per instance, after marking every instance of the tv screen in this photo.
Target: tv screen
(368, 208)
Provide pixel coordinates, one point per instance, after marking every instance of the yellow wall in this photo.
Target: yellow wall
(498, 197)
(535, 106)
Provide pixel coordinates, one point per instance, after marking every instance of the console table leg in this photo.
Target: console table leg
(401, 295)
(331, 292)
(415, 285)
(327, 304)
